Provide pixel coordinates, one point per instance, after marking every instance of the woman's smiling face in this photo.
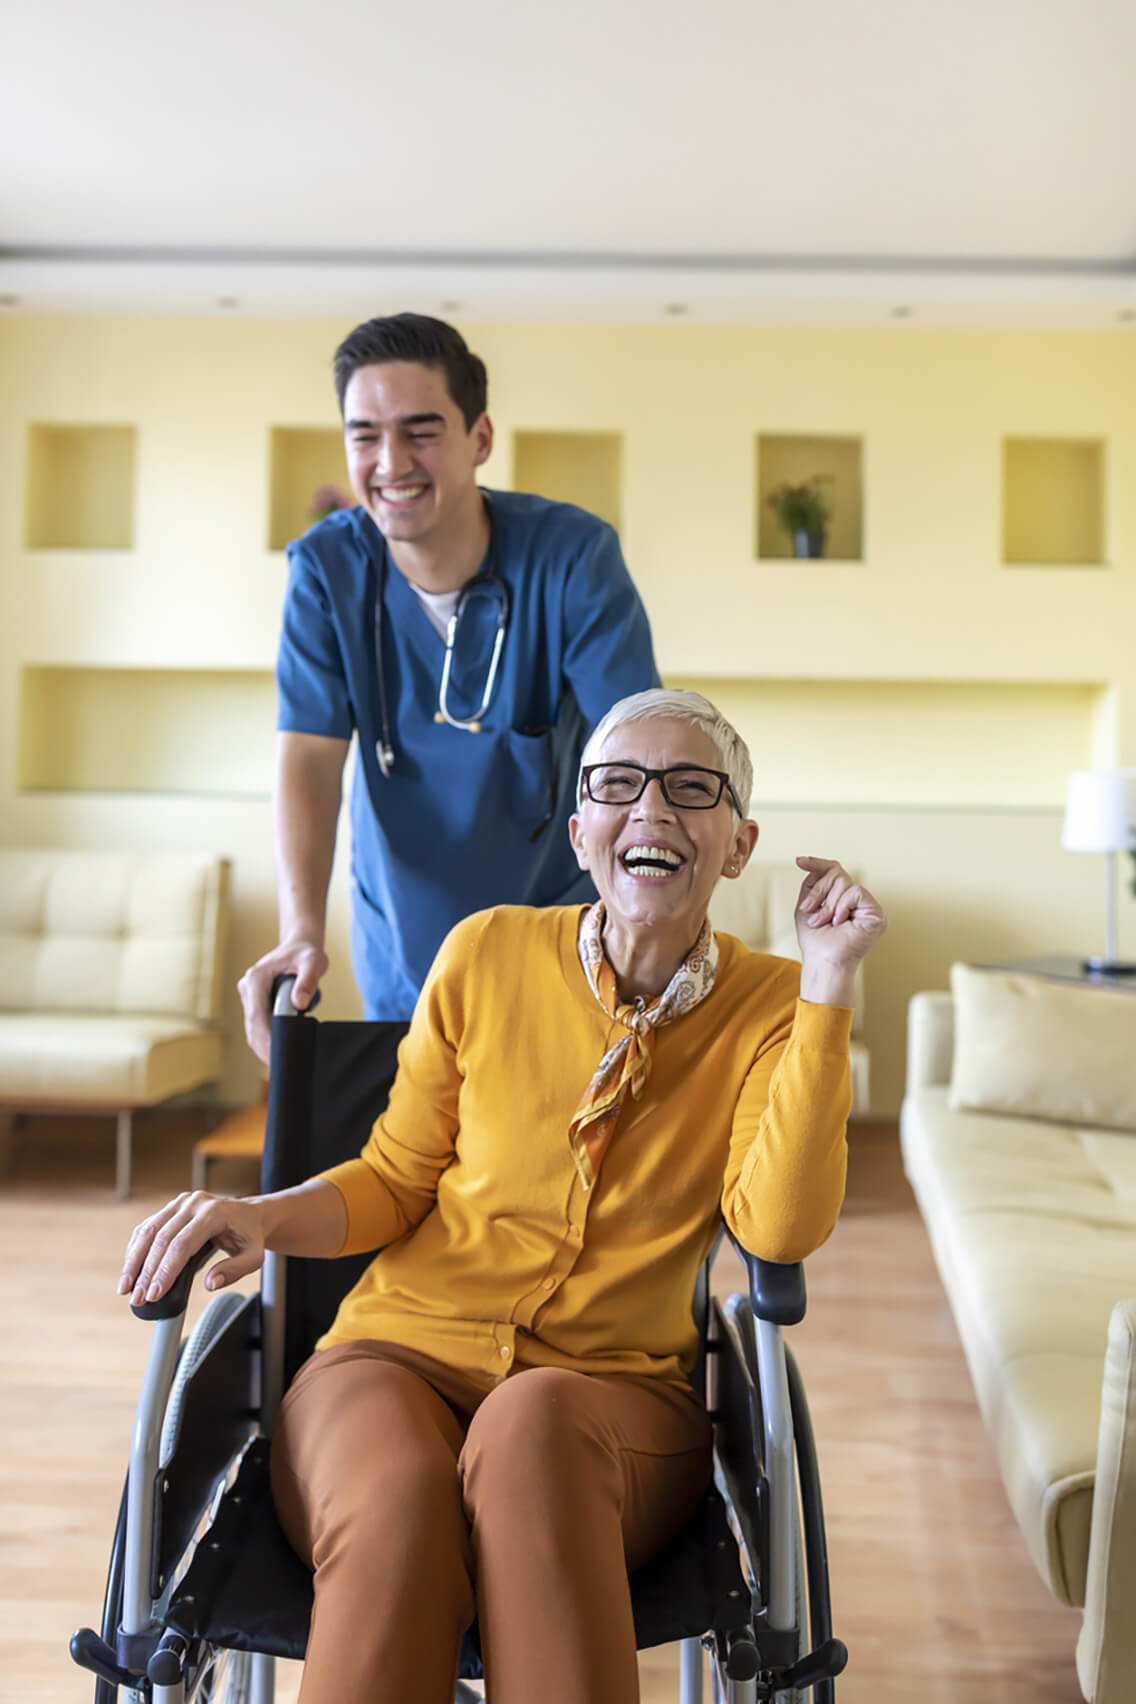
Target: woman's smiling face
(656, 864)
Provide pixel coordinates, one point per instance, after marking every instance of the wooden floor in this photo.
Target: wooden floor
(933, 1592)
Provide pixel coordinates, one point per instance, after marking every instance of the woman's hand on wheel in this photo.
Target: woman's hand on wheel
(162, 1244)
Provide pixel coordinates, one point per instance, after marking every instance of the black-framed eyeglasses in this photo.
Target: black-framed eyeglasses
(686, 786)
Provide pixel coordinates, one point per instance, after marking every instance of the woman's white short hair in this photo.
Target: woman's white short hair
(679, 706)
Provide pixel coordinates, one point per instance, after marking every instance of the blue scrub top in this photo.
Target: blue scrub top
(464, 820)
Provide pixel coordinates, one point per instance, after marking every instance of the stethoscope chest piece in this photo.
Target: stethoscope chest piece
(489, 586)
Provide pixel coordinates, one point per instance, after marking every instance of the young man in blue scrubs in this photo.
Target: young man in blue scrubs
(468, 747)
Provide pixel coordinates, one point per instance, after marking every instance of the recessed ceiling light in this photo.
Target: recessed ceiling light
(676, 308)
(902, 313)
(227, 302)
(451, 305)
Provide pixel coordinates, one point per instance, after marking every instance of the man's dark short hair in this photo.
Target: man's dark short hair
(416, 337)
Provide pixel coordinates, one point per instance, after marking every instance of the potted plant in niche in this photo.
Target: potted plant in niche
(804, 511)
(328, 499)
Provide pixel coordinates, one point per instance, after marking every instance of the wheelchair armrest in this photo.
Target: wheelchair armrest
(176, 1299)
(776, 1293)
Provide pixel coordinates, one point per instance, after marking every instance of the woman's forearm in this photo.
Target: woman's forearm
(785, 1171)
(309, 1220)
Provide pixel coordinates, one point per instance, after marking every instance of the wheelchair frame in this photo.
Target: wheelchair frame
(765, 1468)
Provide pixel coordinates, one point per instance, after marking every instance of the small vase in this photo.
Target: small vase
(808, 544)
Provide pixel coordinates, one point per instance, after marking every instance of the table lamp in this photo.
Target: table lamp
(1100, 816)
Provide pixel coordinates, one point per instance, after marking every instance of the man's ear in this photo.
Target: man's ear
(482, 434)
(576, 836)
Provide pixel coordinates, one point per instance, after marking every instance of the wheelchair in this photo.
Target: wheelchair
(204, 1592)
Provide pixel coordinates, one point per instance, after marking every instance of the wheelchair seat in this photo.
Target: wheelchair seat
(247, 1589)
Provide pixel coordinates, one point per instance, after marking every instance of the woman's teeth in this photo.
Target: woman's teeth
(656, 862)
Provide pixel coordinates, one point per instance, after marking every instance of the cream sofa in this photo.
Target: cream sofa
(111, 969)
(758, 908)
(1019, 1140)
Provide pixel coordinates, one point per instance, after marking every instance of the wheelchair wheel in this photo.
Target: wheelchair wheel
(105, 1693)
(217, 1676)
(214, 1674)
(220, 1677)
(196, 1346)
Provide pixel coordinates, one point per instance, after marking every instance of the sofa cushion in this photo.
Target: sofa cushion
(1043, 1050)
(112, 932)
(1033, 1229)
(57, 1059)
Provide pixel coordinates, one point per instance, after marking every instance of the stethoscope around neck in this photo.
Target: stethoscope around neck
(488, 585)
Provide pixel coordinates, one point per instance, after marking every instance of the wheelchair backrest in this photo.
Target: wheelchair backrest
(328, 1084)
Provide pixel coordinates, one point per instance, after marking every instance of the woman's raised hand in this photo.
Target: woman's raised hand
(162, 1244)
(837, 920)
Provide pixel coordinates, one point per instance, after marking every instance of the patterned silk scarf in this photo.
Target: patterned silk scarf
(627, 1065)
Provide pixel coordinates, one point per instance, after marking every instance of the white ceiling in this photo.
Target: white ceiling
(964, 161)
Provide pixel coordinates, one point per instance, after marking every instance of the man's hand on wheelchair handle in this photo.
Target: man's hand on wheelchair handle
(162, 1244)
(303, 959)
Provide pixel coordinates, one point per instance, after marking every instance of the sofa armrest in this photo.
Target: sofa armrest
(1106, 1649)
(930, 1040)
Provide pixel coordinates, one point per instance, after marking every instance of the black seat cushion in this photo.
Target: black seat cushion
(247, 1588)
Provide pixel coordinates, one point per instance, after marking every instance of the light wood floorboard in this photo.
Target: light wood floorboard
(933, 1591)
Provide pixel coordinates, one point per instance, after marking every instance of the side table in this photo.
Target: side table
(1065, 967)
(241, 1136)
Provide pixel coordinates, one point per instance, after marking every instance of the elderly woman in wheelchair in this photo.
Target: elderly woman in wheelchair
(499, 1422)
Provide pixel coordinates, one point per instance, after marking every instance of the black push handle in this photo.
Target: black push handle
(281, 998)
(176, 1298)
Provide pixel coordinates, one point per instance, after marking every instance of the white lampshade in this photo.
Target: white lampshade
(1100, 811)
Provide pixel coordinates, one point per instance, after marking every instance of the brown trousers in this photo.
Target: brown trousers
(421, 1501)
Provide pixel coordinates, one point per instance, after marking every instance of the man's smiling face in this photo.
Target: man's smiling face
(411, 460)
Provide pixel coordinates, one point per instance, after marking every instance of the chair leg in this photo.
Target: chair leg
(123, 1145)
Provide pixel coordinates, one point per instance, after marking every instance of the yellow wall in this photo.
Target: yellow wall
(1054, 510)
(914, 713)
(96, 469)
(572, 467)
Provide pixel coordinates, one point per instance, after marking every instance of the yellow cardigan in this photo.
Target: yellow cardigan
(495, 1256)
